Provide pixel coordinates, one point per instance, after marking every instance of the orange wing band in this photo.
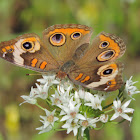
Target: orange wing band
(86, 79)
(34, 62)
(43, 65)
(79, 76)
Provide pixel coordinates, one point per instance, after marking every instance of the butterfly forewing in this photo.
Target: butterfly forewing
(28, 51)
(63, 40)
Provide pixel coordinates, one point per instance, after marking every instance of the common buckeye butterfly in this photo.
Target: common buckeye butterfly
(66, 50)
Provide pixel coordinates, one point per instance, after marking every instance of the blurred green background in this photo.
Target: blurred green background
(121, 17)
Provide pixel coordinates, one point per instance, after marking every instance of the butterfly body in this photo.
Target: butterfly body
(67, 51)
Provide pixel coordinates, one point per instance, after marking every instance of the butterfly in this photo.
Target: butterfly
(66, 50)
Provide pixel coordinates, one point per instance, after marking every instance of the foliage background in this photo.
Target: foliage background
(120, 17)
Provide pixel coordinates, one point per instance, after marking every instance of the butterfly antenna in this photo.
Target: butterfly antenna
(33, 74)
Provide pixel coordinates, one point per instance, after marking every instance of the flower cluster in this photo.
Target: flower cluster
(76, 108)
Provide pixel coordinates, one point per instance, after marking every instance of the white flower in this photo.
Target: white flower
(50, 79)
(71, 111)
(56, 99)
(129, 88)
(88, 96)
(31, 98)
(95, 102)
(82, 94)
(42, 91)
(71, 126)
(104, 118)
(76, 97)
(49, 119)
(88, 122)
(62, 91)
(121, 110)
(43, 130)
(61, 96)
(66, 84)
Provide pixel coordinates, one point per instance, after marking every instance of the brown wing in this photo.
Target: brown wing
(97, 69)
(28, 51)
(107, 77)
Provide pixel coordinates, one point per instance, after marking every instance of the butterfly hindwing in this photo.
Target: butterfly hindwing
(106, 77)
(97, 69)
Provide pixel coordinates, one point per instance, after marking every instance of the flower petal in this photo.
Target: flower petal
(116, 115)
(80, 116)
(75, 130)
(65, 118)
(126, 104)
(128, 110)
(125, 116)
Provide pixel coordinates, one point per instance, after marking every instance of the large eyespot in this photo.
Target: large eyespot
(75, 35)
(27, 45)
(57, 39)
(106, 55)
(104, 45)
(107, 72)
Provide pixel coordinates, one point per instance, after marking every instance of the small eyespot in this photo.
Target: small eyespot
(27, 46)
(57, 39)
(10, 50)
(106, 55)
(109, 83)
(75, 35)
(104, 45)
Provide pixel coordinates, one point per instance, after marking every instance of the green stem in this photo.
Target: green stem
(54, 88)
(119, 93)
(120, 96)
(108, 111)
(123, 99)
(79, 137)
(118, 122)
(40, 106)
(48, 102)
(86, 135)
(100, 127)
(107, 106)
